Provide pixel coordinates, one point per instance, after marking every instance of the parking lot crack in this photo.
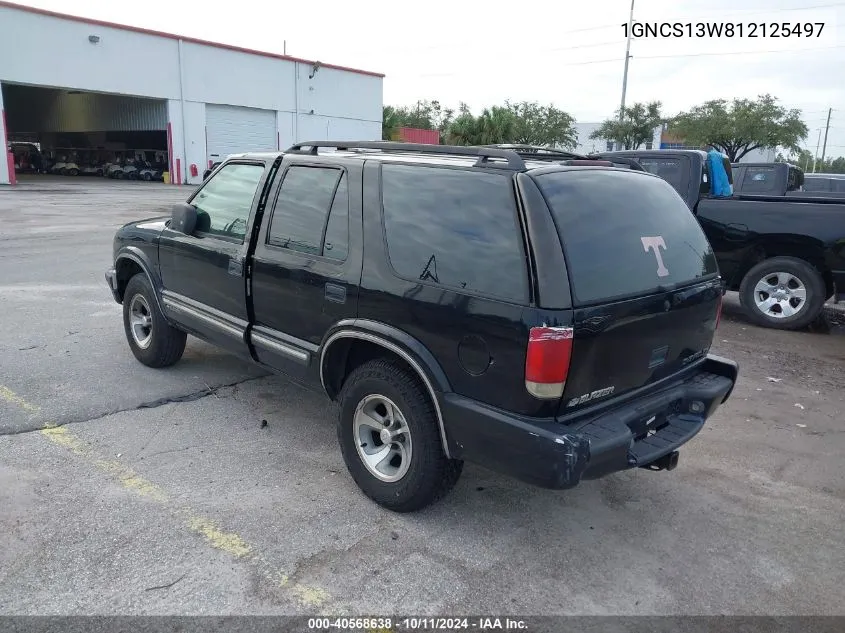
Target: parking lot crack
(154, 404)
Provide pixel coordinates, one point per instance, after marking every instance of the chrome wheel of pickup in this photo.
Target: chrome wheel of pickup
(382, 438)
(786, 293)
(780, 295)
(141, 321)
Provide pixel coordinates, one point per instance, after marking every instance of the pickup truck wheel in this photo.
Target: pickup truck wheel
(390, 439)
(151, 338)
(783, 292)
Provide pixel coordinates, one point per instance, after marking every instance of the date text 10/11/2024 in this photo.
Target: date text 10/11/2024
(664, 30)
(391, 625)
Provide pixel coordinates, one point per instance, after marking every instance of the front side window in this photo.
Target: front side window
(224, 203)
(454, 228)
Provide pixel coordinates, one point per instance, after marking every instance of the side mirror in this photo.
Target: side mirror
(206, 174)
(184, 218)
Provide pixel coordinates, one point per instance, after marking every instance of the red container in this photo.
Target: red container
(416, 135)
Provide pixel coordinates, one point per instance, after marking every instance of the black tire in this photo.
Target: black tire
(430, 474)
(72, 172)
(148, 176)
(801, 271)
(166, 344)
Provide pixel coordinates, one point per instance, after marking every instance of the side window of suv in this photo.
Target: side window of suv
(454, 228)
(224, 202)
(311, 214)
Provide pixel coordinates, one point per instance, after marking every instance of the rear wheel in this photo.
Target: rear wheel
(783, 292)
(151, 338)
(390, 438)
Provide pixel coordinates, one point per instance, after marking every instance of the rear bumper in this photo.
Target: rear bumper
(111, 280)
(549, 454)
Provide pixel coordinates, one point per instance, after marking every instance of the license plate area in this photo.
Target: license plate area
(649, 424)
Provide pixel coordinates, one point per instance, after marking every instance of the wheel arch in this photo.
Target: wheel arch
(808, 249)
(129, 262)
(351, 343)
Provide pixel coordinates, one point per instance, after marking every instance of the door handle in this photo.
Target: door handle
(335, 293)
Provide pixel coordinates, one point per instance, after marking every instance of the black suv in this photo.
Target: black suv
(542, 315)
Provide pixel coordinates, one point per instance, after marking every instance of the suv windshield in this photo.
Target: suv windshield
(646, 235)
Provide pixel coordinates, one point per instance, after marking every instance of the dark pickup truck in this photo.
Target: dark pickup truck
(547, 318)
(784, 254)
(780, 179)
(825, 184)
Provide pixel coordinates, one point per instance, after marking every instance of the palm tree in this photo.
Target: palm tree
(464, 130)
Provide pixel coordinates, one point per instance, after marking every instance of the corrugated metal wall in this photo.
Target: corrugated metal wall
(417, 135)
(49, 110)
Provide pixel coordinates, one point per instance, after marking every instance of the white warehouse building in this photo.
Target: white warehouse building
(95, 90)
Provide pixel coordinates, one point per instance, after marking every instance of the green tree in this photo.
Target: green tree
(742, 125)
(634, 128)
(390, 122)
(805, 160)
(837, 165)
(535, 124)
(524, 122)
(424, 114)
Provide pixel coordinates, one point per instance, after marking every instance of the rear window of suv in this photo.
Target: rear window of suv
(624, 234)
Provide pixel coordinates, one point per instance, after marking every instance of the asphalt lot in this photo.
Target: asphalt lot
(127, 490)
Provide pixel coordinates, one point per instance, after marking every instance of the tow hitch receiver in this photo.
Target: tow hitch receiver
(667, 462)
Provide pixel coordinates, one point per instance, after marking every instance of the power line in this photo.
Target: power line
(798, 50)
(615, 60)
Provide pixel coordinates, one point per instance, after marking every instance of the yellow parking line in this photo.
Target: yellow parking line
(12, 398)
(218, 538)
(229, 542)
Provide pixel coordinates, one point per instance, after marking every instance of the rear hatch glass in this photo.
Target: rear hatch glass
(624, 234)
(644, 279)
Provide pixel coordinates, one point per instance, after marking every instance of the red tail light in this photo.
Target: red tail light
(547, 361)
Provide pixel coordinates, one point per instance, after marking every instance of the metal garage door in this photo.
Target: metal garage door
(232, 129)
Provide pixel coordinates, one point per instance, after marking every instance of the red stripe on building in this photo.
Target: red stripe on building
(170, 151)
(10, 157)
(173, 36)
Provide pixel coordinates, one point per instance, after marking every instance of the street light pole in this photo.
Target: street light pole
(627, 58)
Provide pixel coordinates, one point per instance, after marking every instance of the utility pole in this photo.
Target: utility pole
(826, 130)
(816, 155)
(627, 58)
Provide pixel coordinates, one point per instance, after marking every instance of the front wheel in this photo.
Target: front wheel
(151, 338)
(390, 438)
(785, 293)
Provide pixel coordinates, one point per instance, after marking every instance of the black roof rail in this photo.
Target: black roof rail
(537, 152)
(484, 154)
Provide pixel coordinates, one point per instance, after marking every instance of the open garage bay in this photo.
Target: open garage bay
(129, 490)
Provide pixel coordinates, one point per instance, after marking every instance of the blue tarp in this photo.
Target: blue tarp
(720, 187)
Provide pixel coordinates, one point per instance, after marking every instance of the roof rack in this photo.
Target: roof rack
(536, 152)
(484, 154)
